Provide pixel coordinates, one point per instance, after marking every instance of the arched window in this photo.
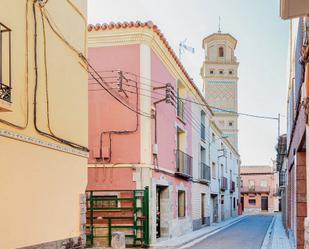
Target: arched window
(221, 52)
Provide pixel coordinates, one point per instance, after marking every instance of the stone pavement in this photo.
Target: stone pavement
(196, 235)
(279, 238)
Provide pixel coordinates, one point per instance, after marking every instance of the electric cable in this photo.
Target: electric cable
(24, 126)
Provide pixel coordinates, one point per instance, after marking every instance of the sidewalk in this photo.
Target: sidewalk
(198, 234)
(276, 237)
(279, 237)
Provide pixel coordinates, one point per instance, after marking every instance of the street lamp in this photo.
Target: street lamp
(214, 140)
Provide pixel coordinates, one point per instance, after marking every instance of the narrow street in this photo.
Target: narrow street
(246, 234)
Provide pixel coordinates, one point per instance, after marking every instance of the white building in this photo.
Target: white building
(215, 187)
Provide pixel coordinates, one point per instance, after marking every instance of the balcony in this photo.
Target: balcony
(5, 92)
(5, 98)
(254, 189)
(183, 164)
(203, 132)
(5, 68)
(282, 179)
(180, 109)
(223, 185)
(205, 173)
(232, 186)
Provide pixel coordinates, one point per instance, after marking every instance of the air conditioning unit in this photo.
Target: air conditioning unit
(293, 8)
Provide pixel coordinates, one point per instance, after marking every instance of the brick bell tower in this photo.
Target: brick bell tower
(220, 79)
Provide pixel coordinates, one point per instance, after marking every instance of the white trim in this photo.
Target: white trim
(36, 141)
(145, 105)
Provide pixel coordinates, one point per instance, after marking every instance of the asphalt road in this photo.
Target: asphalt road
(246, 234)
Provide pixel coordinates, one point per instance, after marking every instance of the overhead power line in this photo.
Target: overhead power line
(252, 115)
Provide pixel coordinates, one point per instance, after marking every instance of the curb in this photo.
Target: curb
(198, 239)
(189, 243)
(268, 236)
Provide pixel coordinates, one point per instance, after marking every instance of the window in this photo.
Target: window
(213, 170)
(234, 203)
(105, 201)
(221, 72)
(241, 183)
(5, 63)
(180, 103)
(213, 137)
(251, 185)
(251, 202)
(230, 72)
(230, 124)
(221, 123)
(181, 203)
(203, 130)
(264, 183)
(211, 72)
(221, 52)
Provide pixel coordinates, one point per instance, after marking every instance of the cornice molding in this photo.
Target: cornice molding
(39, 142)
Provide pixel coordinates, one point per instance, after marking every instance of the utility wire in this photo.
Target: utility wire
(208, 106)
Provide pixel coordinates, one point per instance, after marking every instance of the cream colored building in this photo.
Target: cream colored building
(219, 73)
(43, 122)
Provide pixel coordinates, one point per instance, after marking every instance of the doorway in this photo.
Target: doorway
(162, 203)
(264, 203)
(214, 200)
(242, 203)
(222, 208)
(203, 218)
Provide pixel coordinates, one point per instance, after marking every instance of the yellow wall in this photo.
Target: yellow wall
(40, 185)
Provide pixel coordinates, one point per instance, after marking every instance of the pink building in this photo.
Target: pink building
(140, 122)
(258, 189)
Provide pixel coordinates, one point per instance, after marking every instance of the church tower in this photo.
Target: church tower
(219, 73)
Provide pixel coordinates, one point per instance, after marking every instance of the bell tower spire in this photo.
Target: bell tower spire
(220, 77)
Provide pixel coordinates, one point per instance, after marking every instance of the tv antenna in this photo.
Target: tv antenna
(184, 47)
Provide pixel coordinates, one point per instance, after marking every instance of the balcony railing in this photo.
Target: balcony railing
(205, 172)
(232, 186)
(255, 189)
(223, 183)
(203, 132)
(5, 92)
(183, 164)
(281, 179)
(180, 109)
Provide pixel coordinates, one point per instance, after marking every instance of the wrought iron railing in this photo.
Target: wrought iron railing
(5, 92)
(180, 109)
(223, 183)
(281, 179)
(203, 132)
(255, 189)
(205, 172)
(183, 164)
(232, 186)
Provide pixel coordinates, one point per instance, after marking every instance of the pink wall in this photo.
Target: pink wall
(166, 127)
(105, 113)
(108, 178)
(166, 117)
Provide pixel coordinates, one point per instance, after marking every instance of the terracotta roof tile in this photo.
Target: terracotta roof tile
(156, 30)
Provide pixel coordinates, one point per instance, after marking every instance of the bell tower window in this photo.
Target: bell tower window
(221, 52)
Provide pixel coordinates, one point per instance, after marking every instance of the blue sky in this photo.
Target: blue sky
(261, 50)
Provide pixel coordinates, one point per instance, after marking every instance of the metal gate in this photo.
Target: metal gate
(111, 211)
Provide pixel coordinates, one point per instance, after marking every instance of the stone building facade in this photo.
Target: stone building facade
(259, 189)
(165, 141)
